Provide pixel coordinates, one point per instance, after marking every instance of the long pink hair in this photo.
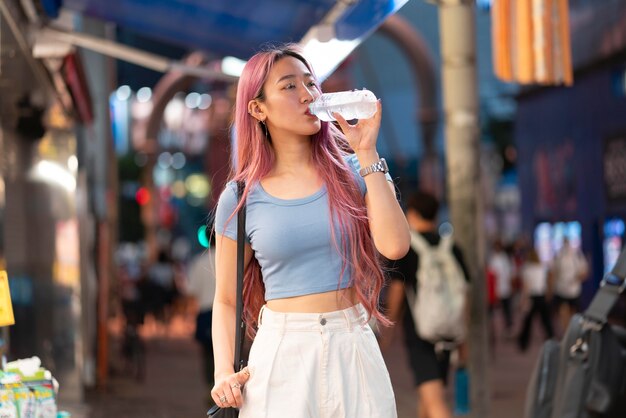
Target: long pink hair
(255, 159)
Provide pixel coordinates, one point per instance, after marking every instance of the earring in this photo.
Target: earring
(264, 129)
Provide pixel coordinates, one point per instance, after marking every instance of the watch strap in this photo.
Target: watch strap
(379, 166)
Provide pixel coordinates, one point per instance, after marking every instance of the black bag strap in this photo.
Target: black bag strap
(239, 362)
(241, 236)
(611, 288)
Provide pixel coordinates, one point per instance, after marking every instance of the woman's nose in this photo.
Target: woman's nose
(309, 94)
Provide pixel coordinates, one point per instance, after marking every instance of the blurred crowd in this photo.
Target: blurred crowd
(521, 287)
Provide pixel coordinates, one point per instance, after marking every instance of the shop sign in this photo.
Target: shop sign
(6, 307)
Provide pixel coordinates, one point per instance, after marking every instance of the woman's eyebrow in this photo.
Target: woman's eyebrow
(288, 76)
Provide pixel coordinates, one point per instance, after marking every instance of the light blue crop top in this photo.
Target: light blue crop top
(291, 239)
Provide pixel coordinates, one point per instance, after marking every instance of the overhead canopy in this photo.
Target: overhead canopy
(239, 27)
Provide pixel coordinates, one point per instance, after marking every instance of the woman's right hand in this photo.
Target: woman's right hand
(227, 390)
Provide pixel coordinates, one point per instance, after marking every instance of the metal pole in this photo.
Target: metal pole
(136, 56)
(460, 102)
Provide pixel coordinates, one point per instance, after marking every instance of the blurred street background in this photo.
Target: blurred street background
(116, 141)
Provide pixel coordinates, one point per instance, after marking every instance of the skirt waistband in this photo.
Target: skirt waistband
(344, 319)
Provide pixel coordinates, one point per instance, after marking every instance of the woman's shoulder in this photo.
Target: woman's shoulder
(228, 196)
(225, 221)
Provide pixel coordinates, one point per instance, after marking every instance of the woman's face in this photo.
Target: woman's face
(289, 89)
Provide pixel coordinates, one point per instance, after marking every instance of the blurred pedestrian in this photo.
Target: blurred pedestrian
(132, 302)
(201, 285)
(430, 366)
(534, 301)
(160, 288)
(570, 269)
(519, 250)
(130, 276)
(314, 224)
(502, 267)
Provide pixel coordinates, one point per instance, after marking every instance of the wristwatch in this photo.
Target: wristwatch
(378, 166)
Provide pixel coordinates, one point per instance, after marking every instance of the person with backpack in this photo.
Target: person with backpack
(428, 295)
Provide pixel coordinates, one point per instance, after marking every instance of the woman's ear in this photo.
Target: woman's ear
(255, 110)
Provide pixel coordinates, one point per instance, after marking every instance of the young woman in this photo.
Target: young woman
(310, 284)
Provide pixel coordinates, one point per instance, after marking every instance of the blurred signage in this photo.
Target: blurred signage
(614, 167)
(549, 238)
(67, 262)
(554, 172)
(74, 76)
(6, 308)
(613, 240)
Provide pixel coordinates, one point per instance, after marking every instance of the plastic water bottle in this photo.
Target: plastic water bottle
(461, 392)
(355, 104)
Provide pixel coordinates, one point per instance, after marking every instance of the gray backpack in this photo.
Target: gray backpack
(439, 308)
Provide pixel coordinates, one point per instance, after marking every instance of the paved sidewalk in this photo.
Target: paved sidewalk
(509, 374)
(174, 387)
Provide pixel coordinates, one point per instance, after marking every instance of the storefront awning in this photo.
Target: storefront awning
(328, 29)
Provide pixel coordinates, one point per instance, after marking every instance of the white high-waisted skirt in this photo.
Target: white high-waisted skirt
(311, 365)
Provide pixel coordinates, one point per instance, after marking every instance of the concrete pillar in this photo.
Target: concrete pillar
(460, 102)
(99, 166)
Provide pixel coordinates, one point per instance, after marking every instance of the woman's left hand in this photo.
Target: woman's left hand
(362, 136)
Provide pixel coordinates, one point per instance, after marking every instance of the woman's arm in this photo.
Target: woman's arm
(224, 312)
(388, 224)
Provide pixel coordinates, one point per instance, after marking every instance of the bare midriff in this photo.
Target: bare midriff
(319, 302)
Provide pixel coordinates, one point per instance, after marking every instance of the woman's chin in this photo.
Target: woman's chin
(315, 128)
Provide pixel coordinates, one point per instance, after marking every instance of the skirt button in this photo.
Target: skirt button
(323, 321)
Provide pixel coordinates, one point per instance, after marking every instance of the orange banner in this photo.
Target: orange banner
(531, 41)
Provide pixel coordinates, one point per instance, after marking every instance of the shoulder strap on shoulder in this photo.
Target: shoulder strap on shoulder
(447, 242)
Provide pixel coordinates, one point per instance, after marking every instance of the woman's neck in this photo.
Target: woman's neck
(292, 155)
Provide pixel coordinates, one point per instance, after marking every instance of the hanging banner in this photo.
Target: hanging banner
(531, 41)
